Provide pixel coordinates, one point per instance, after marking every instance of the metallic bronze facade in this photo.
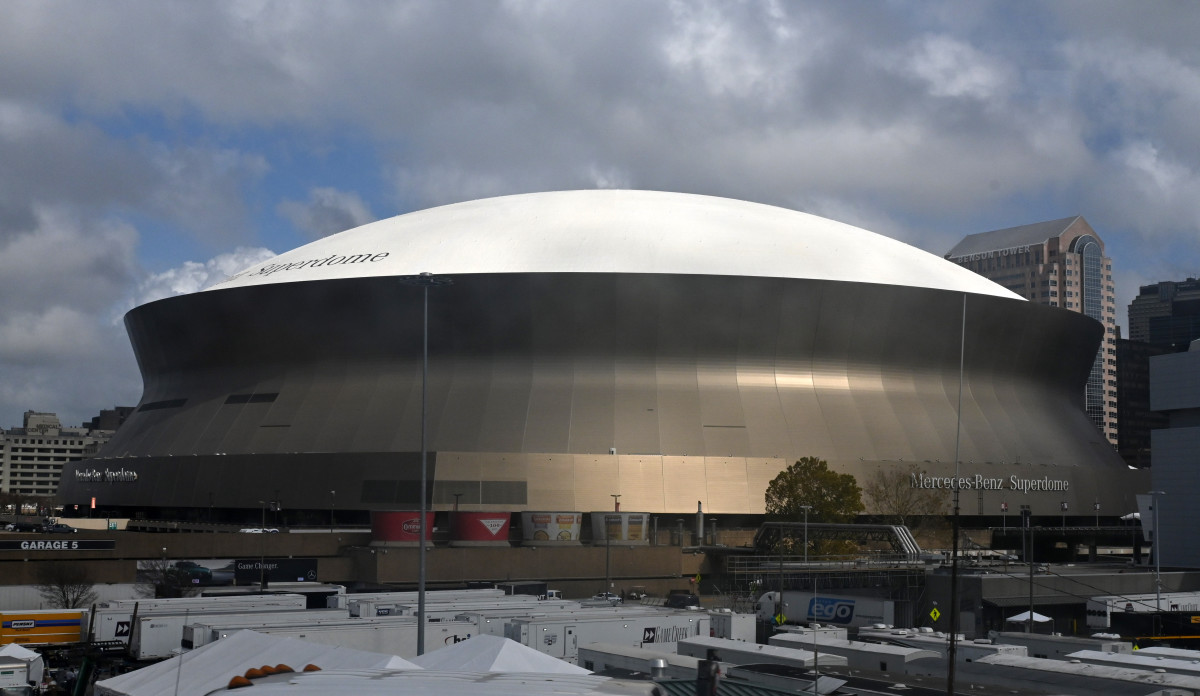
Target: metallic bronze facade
(553, 391)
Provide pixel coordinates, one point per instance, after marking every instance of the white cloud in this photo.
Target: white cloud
(327, 211)
(194, 276)
(952, 68)
(144, 134)
(59, 350)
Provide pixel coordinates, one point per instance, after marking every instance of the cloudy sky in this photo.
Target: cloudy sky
(150, 148)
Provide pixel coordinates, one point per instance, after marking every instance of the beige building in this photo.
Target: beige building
(1060, 263)
(32, 457)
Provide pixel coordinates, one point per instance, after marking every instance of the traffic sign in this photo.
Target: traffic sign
(935, 614)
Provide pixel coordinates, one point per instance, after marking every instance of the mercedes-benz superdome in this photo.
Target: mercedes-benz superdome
(667, 348)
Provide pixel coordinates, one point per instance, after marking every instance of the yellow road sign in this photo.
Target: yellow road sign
(935, 613)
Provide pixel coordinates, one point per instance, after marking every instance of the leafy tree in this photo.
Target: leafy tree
(65, 585)
(891, 493)
(834, 497)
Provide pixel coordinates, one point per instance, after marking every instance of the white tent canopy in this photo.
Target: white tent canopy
(212, 666)
(17, 652)
(484, 653)
(1024, 616)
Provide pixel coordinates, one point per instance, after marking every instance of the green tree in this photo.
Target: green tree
(834, 497)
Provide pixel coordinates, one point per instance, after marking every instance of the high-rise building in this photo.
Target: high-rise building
(1133, 401)
(1175, 391)
(32, 456)
(1166, 314)
(1164, 318)
(1060, 263)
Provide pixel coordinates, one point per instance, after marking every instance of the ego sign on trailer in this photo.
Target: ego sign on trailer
(839, 611)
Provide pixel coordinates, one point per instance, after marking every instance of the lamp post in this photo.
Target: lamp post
(952, 654)
(1029, 623)
(811, 627)
(332, 505)
(1157, 558)
(424, 281)
(262, 548)
(608, 543)
(805, 508)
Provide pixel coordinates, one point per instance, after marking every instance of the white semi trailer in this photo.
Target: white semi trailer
(161, 635)
(1101, 609)
(562, 636)
(440, 609)
(738, 652)
(342, 601)
(493, 622)
(390, 636)
(822, 607)
(113, 620)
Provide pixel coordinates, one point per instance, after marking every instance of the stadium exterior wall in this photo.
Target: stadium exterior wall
(552, 391)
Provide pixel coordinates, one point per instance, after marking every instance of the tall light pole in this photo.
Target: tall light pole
(1157, 558)
(811, 627)
(424, 281)
(608, 543)
(262, 548)
(1027, 515)
(806, 508)
(953, 651)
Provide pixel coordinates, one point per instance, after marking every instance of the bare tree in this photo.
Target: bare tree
(892, 494)
(65, 585)
(161, 578)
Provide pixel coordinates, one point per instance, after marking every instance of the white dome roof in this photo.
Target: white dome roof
(612, 231)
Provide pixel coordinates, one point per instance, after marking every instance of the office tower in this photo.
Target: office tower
(1060, 263)
(1166, 314)
(32, 456)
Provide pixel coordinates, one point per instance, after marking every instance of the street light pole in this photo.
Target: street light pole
(262, 548)
(332, 505)
(811, 627)
(608, 543)
(952, 653)
(806, 508)
(1157, 558)
(425, 281)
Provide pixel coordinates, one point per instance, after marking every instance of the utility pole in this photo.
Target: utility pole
(953, 651)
